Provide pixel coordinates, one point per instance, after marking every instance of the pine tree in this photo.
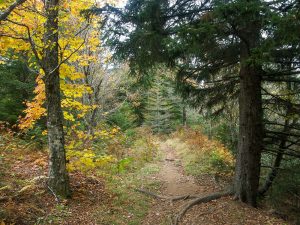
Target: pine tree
(16, 87)
(221, 50)
(163, 109)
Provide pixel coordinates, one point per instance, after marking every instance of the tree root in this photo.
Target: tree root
(196, 199)
(199, 200)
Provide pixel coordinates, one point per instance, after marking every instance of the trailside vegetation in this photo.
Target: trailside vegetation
(102, 101)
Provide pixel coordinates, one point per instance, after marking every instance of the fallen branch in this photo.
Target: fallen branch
(199, 200)
(23, 190)
(55, 196)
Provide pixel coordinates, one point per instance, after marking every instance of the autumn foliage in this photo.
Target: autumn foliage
(209, 154)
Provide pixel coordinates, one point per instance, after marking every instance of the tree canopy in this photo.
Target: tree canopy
(221, 50)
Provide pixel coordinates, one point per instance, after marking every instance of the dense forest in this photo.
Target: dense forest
(149, 112)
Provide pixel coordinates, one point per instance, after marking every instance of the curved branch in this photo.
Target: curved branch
(8, 11)
(199, 200)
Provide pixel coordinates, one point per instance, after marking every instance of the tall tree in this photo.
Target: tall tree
(58, 176)
(250, 104)
(221, 50)
(51, 33)
(164, 107)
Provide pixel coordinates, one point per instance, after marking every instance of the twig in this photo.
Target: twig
(56, 198)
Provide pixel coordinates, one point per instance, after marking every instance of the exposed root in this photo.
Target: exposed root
(199, 200)
(196, 200)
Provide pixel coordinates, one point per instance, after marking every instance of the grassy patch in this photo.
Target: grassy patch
(128, 206)
(200, 155)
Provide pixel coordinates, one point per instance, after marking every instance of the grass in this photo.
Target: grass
(201, 156)
(128, 206)
(191, 163)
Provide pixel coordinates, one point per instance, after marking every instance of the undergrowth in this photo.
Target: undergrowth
(128, 206)
(103, 194)
(202, 155)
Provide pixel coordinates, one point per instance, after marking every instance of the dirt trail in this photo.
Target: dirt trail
(171, 174)
(175, 182)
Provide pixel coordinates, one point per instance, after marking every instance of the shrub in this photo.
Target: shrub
(284, 195)
(211, 155)
(110, 150)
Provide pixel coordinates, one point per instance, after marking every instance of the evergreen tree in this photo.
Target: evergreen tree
(16, 86)
(163, 109)
(221, 50)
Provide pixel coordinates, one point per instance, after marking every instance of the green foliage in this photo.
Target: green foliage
(285, 192)
(128, 206)
(124, 117)
(163, 110)
(111, 151)
(16, 86)
(123, 164)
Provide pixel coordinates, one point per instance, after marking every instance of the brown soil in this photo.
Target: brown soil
(223, 211)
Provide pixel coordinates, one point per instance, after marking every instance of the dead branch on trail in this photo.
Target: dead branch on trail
(199, 200)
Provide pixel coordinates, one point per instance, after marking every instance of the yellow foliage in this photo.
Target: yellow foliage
(87, 160)
(79, 44)
(35, 109)
(78, 38)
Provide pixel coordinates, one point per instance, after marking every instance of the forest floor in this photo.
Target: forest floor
(24, 198)
(175, 182)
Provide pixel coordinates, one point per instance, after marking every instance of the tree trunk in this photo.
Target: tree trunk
(250, 136)
(184, 116)
(250, 119)
(282, 147)
(58, 176)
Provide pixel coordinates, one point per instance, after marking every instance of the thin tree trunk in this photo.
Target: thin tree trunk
(250, 120)
(282, 147)
(271, 176)
(58, 176)
(184, 116)
(10, 9)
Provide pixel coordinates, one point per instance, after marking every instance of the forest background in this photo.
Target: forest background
(107, 82)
